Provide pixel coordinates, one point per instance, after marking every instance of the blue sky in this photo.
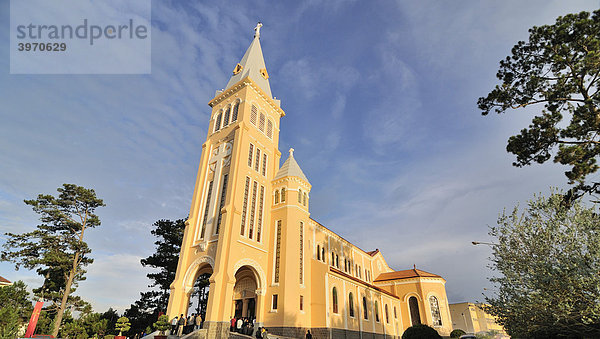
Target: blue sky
(380, 98)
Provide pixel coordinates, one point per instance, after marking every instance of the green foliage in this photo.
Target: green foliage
(16, 295)
(457, 333)
(15, 309)
(559, 68)
(420, 332)
(109, 336)
(122, 325)
(111, 316)
(73, 330)
(56, 249)
(10, 322)
(547, 260)
(95, 325)
(168, 245)
(166, 257)
(162, 324)
(45, 323)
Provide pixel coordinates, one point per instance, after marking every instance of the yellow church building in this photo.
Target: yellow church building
(250, 228)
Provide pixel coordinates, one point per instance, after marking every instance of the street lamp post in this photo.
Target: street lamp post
(475, 243)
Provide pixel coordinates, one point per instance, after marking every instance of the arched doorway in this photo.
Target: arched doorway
(199, 296)
(415, 317)
(244, 293)
(198, 290)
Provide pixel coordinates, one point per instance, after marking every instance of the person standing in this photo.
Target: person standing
(180, 325)
(239, 324)
(174, 325)
(198, 321)
(191, 320)
(232, 324)
(308, 335)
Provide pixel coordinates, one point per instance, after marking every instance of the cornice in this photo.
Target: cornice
(241, 84)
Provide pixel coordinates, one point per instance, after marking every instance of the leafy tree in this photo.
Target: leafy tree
(162, 324)
(559, 69)
(56, 248)
(457, 333)
(45, 323)
(111, 316)
(123, 325)
(73, 330)
(15, 310)
(145, 311)
(95, 325)
(201, 289)
(421, 332)
(10, 322)
(166, 257)
(547, 260)
(16, 295)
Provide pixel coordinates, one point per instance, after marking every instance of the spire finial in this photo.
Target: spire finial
(257, 30)
(414, 266)
(291, 152)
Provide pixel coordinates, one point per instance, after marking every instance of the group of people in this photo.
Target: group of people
(243, 325)
(182, 325)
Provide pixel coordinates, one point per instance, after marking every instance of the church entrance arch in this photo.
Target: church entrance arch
(198, 287)
(244, 293)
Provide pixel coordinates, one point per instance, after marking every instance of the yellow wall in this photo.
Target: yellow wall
(471, 318)
(231, 251)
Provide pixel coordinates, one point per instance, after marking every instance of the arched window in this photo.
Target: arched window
(387, 315)
(335, 300)
(351, 304)
(337, 261)
(395, 314)
(365, 309)
(226, 116)
(218, 122)
(415, 317)
(318, 252)
(283, 194)
(270, 128)
(276, 196)
(435, 311)
(261, 122)
(332, 259)
(299, 196)
(305, 199)
(376, 311)
(345, 266)
(236, 108)
(323, 253)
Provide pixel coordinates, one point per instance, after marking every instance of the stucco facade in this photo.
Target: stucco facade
(250, 228)
(471, 318)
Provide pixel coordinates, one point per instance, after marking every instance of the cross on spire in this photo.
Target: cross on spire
(257, 29)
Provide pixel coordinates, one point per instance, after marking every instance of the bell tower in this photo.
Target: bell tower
(227, 233)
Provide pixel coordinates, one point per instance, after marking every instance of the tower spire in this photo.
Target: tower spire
(252, 65)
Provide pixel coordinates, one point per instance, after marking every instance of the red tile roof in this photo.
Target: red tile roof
(405, 274)
(2, 280)
(334, 270)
